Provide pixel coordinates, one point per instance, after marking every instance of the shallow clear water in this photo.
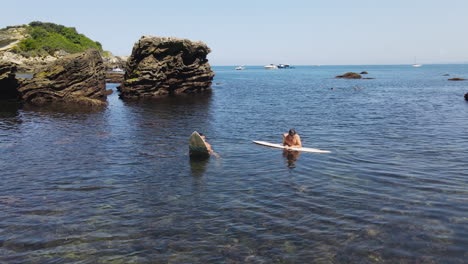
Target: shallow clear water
(117, 185)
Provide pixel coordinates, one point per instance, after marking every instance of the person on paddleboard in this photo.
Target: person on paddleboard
(292, 139)
(208, 146)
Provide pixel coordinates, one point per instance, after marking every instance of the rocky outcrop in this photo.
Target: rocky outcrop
(457, 79)
(350, 75)
(364, 72)
(77, 78)
(8, 82)
(160, 67)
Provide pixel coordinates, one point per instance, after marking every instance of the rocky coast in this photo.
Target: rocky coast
(158, 67)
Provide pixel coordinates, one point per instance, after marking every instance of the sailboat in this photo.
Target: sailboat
(416, 64)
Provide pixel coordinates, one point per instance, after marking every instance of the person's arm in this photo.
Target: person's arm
(284, 140)
(210, 150)
(298, 142)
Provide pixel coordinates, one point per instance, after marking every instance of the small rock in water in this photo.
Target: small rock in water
(466, 96)
(350, 75)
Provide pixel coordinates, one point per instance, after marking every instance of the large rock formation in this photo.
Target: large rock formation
(8, 81)
(166, 66)
(77, 78)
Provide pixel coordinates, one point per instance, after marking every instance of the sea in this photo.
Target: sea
(117, 185)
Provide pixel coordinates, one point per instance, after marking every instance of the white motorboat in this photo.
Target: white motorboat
(240, 68)
(270, 67)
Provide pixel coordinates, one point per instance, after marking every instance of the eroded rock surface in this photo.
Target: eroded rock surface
(160, 67)
(77, 78)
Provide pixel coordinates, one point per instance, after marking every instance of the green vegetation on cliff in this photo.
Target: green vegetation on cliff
(48, 38)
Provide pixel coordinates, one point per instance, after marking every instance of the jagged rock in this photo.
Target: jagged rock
(114, 77)
(8, 82)
(76, 78)
(166, 66)
(457, 79)
(350, 75)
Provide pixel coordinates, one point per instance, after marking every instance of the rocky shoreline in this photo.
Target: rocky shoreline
(158, 67)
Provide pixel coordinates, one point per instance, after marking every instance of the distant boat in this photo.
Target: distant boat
(240, 68)
(283, 66)
(416, 64)
(270, 67)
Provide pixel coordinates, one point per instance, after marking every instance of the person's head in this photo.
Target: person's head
(202, 135)
(292, 132)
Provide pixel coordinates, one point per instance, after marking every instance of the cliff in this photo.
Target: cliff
(37, 44)
(77, 78)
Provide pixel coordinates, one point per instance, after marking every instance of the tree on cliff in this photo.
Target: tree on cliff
(47, 38)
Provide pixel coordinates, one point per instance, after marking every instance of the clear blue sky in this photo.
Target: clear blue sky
(259, 32)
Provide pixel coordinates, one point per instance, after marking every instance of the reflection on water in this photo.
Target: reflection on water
(198, 165)
(291, 157)
(64, 108)
(8, 108)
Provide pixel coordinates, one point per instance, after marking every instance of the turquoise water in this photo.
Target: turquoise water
(117, 185)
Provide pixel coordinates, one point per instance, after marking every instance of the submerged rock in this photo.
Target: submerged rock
(364, 72)
(8, 82)
(160, 67)
(457, 79)
(350, 75)
(77, 78)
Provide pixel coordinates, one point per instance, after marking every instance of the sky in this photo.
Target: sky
(260, 32)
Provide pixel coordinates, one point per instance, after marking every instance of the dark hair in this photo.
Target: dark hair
(201, 134)
(292, 132)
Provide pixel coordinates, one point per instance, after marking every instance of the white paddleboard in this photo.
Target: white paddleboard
(197, 146)
(273, 145)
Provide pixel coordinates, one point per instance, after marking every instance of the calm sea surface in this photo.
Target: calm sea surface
(117, 185)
